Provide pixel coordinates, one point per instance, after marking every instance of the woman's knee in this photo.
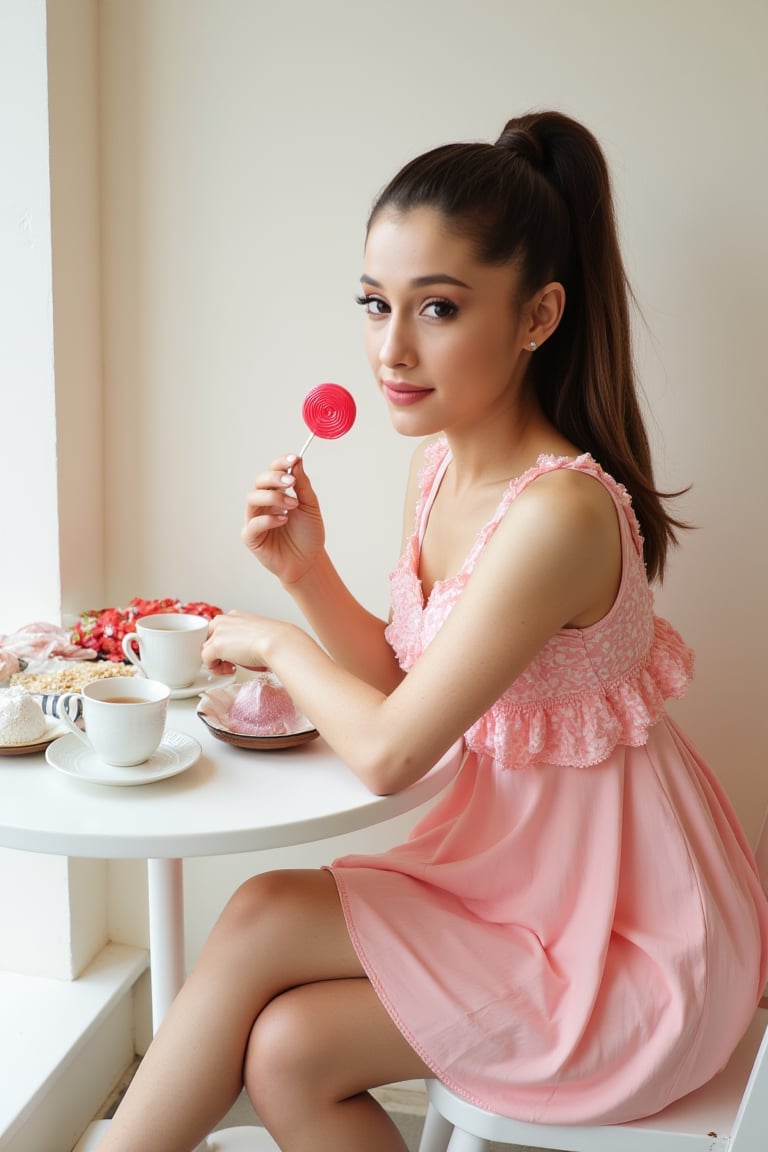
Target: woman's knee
(263, 895)
(285, 1055)
(275, 915)
(321, 1043)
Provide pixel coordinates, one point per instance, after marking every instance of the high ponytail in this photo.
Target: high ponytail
(541, 195)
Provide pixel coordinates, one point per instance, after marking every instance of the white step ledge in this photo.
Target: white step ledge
(64, 1043)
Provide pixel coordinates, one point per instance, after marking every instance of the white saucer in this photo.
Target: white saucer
(72, 757)
(204, 680)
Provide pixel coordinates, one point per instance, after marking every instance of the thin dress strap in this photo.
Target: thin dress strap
(429, 497)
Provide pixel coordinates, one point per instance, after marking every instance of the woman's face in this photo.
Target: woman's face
(444, 334)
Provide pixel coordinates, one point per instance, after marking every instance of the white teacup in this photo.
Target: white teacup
(124, 718)
(170, 646)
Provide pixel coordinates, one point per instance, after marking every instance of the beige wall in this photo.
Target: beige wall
(243, 143)
(239, 146)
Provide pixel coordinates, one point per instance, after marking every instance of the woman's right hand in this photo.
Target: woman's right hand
(285, 532)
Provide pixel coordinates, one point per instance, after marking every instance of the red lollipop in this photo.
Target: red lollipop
(328, 411)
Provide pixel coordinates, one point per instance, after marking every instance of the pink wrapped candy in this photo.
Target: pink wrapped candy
(262, 707)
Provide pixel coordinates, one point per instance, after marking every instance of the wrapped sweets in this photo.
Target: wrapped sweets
(21, 718)
(262, 707)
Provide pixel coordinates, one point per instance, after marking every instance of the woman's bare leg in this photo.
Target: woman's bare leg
(313, 1052)
(279, 930)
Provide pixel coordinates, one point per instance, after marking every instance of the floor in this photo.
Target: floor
(406, 1109)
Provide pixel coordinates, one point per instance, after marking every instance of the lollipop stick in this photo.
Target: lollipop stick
(306, 444)
(304, 447)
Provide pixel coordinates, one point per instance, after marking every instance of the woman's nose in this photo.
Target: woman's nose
(397, 348)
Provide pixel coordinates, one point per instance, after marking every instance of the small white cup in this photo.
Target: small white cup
(124, 718)
(170, 647)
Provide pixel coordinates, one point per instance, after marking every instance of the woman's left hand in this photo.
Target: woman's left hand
(238, 638)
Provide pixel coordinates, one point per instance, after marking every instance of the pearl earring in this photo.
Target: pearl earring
(532, 345)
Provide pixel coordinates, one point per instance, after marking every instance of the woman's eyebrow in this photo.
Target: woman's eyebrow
(421, 281)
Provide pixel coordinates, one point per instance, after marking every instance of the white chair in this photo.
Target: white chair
(729, 1112)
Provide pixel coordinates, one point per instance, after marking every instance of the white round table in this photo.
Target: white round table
(230, 800)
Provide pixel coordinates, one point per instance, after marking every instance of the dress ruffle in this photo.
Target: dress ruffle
(582, 729)
(587, 690)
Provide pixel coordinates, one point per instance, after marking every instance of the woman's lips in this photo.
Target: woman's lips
(403, 394)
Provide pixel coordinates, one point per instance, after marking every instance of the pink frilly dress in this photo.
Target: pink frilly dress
(575, 932)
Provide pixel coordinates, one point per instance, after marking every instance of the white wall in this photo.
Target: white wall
(68, 896)
(73, 66)
(241, 144)
(29, 564)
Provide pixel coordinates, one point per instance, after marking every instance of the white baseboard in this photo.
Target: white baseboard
(65, 1043)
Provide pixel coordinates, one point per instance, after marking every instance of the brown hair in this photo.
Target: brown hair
(541, 196)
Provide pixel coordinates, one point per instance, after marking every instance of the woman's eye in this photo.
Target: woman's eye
(373, 305)
(440, 309)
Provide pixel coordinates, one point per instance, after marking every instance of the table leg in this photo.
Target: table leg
(165, 884)
(165, 879)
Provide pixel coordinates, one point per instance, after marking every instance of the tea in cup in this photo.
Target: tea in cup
(124, 718)
(170, 647)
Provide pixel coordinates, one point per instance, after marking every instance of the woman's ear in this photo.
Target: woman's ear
(545, 312)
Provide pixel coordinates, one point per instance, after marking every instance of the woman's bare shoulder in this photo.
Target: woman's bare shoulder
(563, 532)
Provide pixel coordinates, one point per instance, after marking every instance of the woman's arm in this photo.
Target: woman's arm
(554, 558)
(350, 634)
(286, 534)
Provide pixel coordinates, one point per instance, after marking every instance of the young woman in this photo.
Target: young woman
(576, 931)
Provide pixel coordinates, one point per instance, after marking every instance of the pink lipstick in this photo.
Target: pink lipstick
(403, 395)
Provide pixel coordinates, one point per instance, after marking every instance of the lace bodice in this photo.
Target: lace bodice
(588, 689)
